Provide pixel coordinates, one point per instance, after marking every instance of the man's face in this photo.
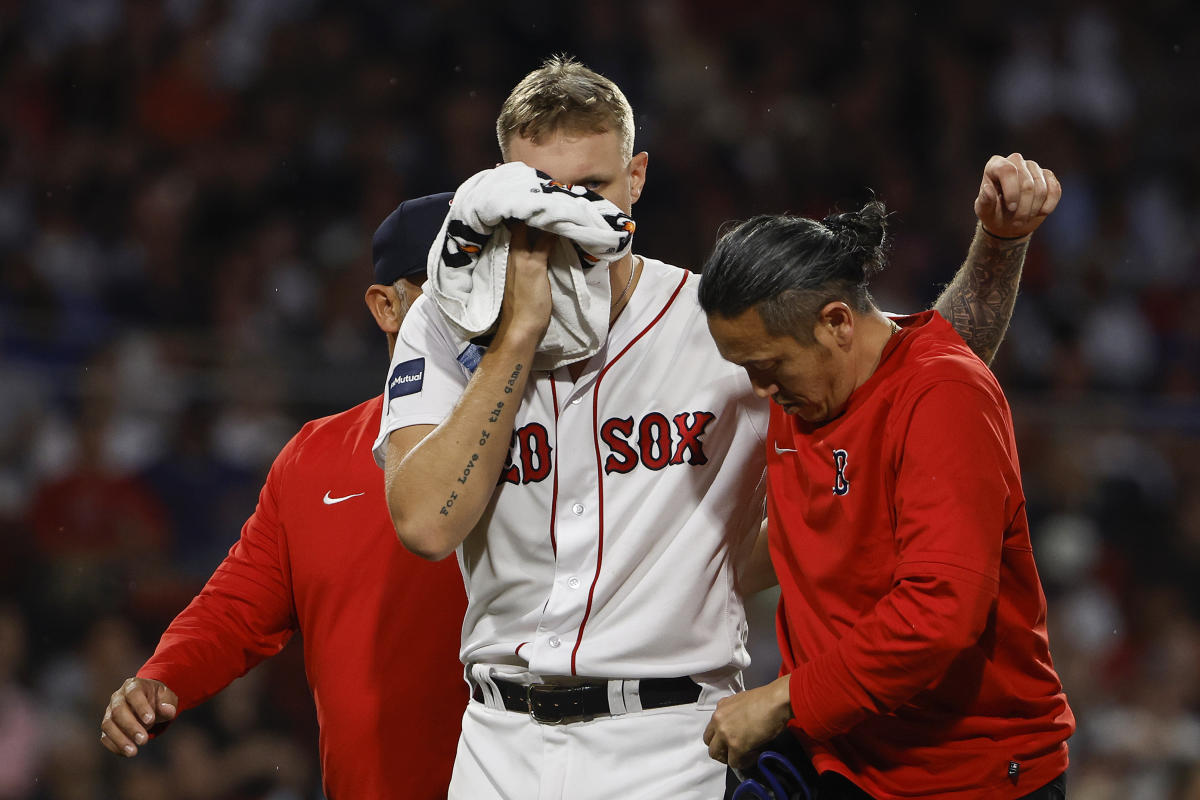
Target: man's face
(812, 381)
(593, 160)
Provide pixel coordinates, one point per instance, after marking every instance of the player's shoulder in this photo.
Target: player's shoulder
(427, 331)
(671, 274)
(422, 315)
(937, 354)
(336, 433)
(341, 422)
(681, 337)
(948, 353)
(670, 303)
(673, 285)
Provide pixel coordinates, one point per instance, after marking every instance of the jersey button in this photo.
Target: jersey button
(578, 509)
(554, 641)
(577, 401)
(573, 582)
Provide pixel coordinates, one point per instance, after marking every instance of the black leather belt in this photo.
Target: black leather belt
(552, 704)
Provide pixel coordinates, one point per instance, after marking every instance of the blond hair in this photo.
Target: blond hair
(563, 94)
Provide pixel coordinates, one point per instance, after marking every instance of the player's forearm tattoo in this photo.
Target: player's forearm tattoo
(470, 466)
(979, 301)
(484, 436)
(512, 379)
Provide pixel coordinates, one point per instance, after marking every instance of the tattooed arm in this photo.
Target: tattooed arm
(439, 480)
(1015, 195)
(979, 301)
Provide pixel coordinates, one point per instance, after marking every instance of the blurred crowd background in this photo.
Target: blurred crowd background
(187, 194)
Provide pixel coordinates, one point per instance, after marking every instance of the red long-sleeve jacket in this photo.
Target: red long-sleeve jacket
(912, 619)
(380, 626)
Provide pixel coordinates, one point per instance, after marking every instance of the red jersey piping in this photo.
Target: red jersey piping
(554, 484)
(600, 466)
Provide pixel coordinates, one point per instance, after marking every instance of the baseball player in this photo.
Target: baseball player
(318, 556)
(601, 513)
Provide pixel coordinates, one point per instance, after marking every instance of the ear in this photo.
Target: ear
(386, 306)
(637, 175)
(835, 324)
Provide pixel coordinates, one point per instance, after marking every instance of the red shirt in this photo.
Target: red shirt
(912, 618)
(380, 626)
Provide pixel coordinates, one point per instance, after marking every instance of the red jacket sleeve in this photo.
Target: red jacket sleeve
(244, 613)
(951, 504)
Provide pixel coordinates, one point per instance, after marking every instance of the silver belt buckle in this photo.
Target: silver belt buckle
(547, 688)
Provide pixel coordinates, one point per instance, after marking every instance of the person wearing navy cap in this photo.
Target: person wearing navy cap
(381, 626)
(401, 243)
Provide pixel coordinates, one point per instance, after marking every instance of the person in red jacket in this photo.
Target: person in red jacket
(319, 556)
(912, 621)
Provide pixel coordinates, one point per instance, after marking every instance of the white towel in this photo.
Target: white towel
(469, 259)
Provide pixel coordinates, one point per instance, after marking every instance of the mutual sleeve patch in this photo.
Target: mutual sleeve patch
(406, 378)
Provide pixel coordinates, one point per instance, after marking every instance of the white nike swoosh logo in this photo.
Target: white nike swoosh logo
(779, 449)
(329, 501)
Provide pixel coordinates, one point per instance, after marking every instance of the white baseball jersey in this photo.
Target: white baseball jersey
(610, 546)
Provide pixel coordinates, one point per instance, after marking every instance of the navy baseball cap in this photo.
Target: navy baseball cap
(401, 244)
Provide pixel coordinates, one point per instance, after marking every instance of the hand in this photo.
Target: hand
(744, 722)
(132, 711)
(1015, 196)
(526, 307)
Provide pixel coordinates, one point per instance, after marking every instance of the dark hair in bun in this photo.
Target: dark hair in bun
(862, 237)
(791, 267)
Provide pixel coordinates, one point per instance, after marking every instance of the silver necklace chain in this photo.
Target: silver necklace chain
(628, 283)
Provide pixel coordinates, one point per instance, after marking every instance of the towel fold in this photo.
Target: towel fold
(469, 259)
